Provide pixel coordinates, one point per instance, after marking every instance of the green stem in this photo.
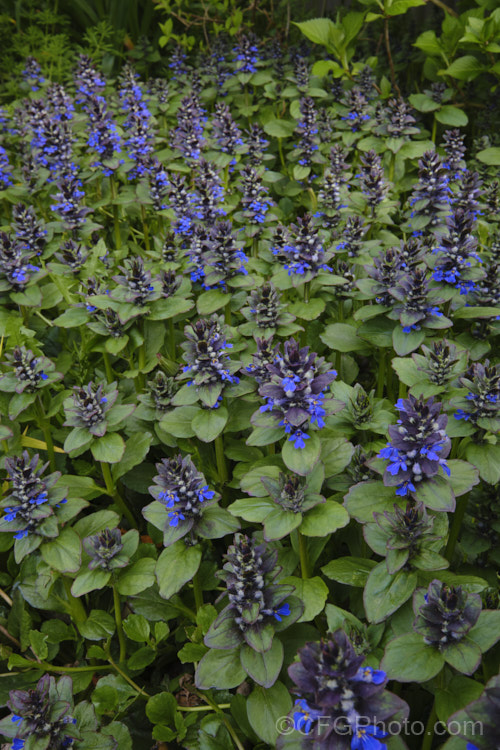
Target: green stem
(304, 558)
(221, 460)
(434, 130)
(107, 367)
(218, 709)
(119, 624)
(116, 221)
(75, 605)
(198, 593)
(145, 228)
(125, 676)
(45, 427)
(392, 165)
(456, 525)
(119, 501)
(307, 291)
(171, 339)
(255, 247)
(63, 670)
(429, 729)
(282, 158)
(227, 313)
(203, 708)
(381, 374)
(340, 311)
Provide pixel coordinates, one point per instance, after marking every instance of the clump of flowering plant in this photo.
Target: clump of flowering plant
(295, 393)
(338, 698)
(419, 445)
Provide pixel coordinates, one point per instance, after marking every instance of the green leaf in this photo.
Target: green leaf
(90, 580)
(141, 658)
(210, 301)
(398, 7)
(264, 707)
(324, 519)
(408, 659)
(97, 626)
(486, 631)
(137, 577)
(436, 493)
(209, 423)
(385, 593)
(450, 115)
(38, 643)
(313, 592)
(216, 522)
(336, 454)
(367, 498)
(96, 522)
(486, 458)
(220, 669)
(279, 523)
(176, 566)
(351, 571)
(73, 317)
(405, 343)
(265, 667)
(342, 337)
(64, 552)
(137, 628)
(302, 460)
(317, 30)
(192, 652)
(178, 421)
(253, 509)
(136, 450)
(423, 103)
(463, 476)
(465, 68)
(490, 156)
(279, 128)
(459, 692)
(465, 656)
(307, 310)
(161, 709)
(109, 449)
(78, 439)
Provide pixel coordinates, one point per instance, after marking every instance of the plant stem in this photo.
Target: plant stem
(282, 158)
(304, 559)
(227, 313)
(63, 670)
(458, 517)
(203, 708)
(107, 367)
(218, 709)
(119, 501)
(255, 247)
(381, 374)
(198, 593)
(75, 606)
(45, 427)
(119, 624)
(128, 679)
(340, 310)
(434, 129)
(307, 291)
(429, 729)
(389, 56)
(171, 339)
(221, 459)
(145, 228)
(116, 222)
(6, 597)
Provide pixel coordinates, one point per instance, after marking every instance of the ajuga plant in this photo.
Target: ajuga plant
(232, 269)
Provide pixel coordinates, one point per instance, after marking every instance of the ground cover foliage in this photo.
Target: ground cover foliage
(250, 393)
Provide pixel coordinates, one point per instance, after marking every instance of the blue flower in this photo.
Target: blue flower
(304, 718)
(368, 674)
(17, 744)
(367, 738)
(205, 494)
(282, 611)
(298, 439)
(175, 516)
